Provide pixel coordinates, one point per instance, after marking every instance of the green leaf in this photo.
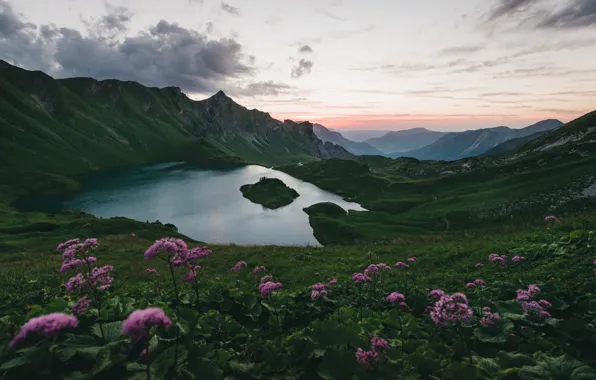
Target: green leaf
(205, 369)
(338, 365)
(112, 331)
(247, 300)
(460, 371)
(241, 367)
(330, 333)
(56, 305)
(558, 368)
(510, 360)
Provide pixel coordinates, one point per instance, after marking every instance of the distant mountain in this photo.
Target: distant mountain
(513, 144)
(456, 145)
(359, 135)
(52, 130)
(406, 140)
(357, 148)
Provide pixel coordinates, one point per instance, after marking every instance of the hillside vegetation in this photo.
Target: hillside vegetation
(271, 193)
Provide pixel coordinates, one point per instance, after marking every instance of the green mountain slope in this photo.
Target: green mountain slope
(51, 130)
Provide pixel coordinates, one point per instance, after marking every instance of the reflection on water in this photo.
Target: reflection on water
(206, 205)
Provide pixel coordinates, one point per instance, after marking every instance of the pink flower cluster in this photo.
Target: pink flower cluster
(518, 259)
(331, 281)
(412, 259)
(360, 278)
(259, 269)
(479, 266)
(372, 270)
(44, 326)
(178, 253)
(369, 358)
(268, 287)
(536, 309)
(139, 322)
(474, 284)
(238, 267)
(265, 279)
(451, 309)
(73, 247)
(398, 298)
(401, 264)
(81, 306)
(192, 274)
(494, 258)
(526, 295)
(436, 294)
(96, 278)
(151, 271)
(318, 290)
(489, 318)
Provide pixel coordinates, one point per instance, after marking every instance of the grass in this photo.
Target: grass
(271, 193)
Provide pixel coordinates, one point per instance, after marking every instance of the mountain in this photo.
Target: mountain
(357, 148)
(406, 140)
(513, 144)
(94, 125)
(359, 135)
(456, 145)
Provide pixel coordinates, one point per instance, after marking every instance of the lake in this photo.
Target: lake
(206, 205)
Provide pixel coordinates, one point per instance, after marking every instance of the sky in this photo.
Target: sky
(376, 64)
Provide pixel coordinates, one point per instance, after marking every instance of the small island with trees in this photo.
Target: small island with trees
(271, 193)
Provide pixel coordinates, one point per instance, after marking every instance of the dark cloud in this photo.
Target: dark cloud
(303, 67)
(230, 9)
(305, 49)
(509, 7)
(577, 14)
(163, 55)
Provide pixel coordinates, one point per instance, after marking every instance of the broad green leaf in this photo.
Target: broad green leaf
(558, 368)
(338, 365)
(112, 331)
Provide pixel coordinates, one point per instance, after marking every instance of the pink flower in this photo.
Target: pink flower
(535, 309)
(319, 286)
(318, 293)
(238, 267)
(171, 246)
(451, 309)
(545, 304)
(518, 259)
(138, 324)
(436, 294)
(268, 287)
(360, 278)
(479, 283)
(81, 306)
(401, 264)
(494, 258)
(384, 267)
(395, 297)
(151, 271)
(412, 259)
(133, 235)
(265, 279)
(470, 285)
(552, 218)
(258, 269)
(489, 318)
(66, 244)
(378, 344)
(367, 358)
(44, 326)
(372, 270)
(331, 282)
(479, 266)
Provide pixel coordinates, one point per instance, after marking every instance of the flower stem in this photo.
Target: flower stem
(196, 291)
(177, 316)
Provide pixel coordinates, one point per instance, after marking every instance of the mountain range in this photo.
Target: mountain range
(456, 145)
(406, 140)
(357, 148)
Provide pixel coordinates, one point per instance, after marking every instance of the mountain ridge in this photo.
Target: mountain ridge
(358, 148)
(405, 140)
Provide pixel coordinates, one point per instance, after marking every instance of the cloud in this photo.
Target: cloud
(165, 54)
(266, 88)
(460, 50)
(195, 1)
(305, 49)
(508, 7)
(303, 67)
(577, 14)
(230, 9)
(110, 26)
(329, 14)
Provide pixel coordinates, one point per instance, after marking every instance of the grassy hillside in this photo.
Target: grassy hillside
(52, 130)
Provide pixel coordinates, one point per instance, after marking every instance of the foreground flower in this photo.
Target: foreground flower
(360, 278)
(367, 358)
(138, 324)
(81, 306)
(451, 309)
(268, 287)
(436, 294)
(395, 297)
(489, 318)
(171, 246)
(378, 344)
(44, 326)
(238, 267)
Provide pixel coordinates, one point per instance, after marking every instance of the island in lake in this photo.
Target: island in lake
(269, 192)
